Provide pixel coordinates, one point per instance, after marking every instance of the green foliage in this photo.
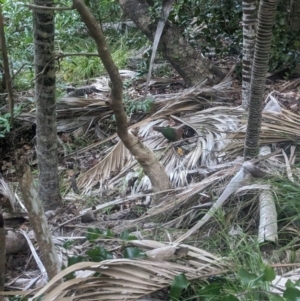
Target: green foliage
(5, 121)
(93, 234)
(137, 106)
(133, 252)
(98, 254)
(179, 283)
(221, 29)
(219, 20)
(285, 51)
(126, 235)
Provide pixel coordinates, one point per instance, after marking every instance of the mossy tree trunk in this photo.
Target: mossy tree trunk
(43, 22)
(266, 19)
(249, 24)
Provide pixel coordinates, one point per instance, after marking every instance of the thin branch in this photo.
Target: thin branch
(33, 6)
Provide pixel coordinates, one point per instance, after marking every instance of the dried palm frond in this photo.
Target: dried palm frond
(120, 279)
(211, 126)
(114, 161)
(275, 128)
(7, 193)
(193, 99)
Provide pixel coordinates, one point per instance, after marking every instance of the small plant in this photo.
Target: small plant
(5, 121)
(136, 106)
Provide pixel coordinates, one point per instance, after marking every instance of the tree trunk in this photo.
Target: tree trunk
(43, 22)
(182, 56)
(37, 217)
(2, 256)
(151, 166)
(294, 14)
(266, 19)
(249, 24)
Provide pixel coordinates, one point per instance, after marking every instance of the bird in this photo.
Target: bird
(172, 134)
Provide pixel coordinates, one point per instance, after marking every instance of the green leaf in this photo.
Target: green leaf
(93, 234)
(269, 274)
(75, 259)
(275, 297)
(68, 244)
(292, 294)
(246, 277)
(229, 298)
(213, 289)
(297, 283)
(127, 236)
(179, 283)
(132, 252)
(99, 254)
(289, 283)
(109, 233)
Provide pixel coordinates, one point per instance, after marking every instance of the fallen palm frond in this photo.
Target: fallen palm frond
(114, 161)
(193, 99)
(211, 127)
(129, 279)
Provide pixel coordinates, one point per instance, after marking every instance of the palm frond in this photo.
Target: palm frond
(129, 279)
(115, 160)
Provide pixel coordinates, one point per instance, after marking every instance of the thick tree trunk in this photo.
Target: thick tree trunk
(266, 19)
(182, 56)
(43, 21)
(151, 166)
(249, 24)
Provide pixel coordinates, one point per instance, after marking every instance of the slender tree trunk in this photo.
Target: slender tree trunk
(2, 256)
(182, 56)
(151, 165)
(37, 217)
(249, 24)
(43, 21)
(266, 19)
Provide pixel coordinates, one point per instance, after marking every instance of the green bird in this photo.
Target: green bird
(171, 134)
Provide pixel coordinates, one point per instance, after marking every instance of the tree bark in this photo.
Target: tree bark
(294, 14)
(266, 19)
(249, 24)
(37, 217)
(151, 166)
(181, 55)
(6, 74)
(2, 256)
(43, 21)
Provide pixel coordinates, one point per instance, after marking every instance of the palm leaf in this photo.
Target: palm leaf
(131, 279)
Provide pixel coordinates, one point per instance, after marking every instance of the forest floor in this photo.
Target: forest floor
(79, 152)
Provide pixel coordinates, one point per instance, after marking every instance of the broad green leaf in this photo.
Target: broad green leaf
(213, 289)
(246, 277)
(292, 294)
(108, 233)
(75, 259)
(275, 297)
(93, 234)
(179, 283)
(289, 283)
(99, 254)
(132, 252)
(126, 235)
(297, 283)
(269, 274)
